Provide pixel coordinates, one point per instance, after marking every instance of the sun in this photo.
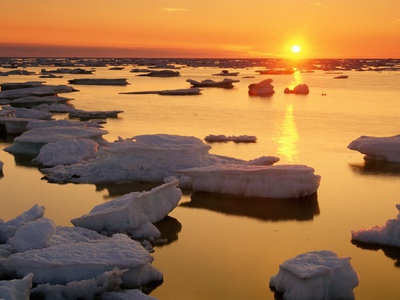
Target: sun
(296, 49)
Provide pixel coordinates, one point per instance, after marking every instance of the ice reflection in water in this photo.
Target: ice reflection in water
(288, 137)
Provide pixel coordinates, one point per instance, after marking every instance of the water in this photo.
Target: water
(222, 247)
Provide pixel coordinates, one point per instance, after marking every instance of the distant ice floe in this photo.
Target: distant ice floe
(67, 71)
(378, 148)
(226, 73)
(226, 83)
(176, 92)
(280, 181)
(94, 114)
(263, 88)
(99, 81)
(315, 275)
(1, 166)
(162, 73)
(386, 235)
(237, 139)
(300, 89)
(133, 213)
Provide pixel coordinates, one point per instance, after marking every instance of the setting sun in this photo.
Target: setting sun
(296, 49)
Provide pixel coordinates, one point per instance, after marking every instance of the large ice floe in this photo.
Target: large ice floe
(226, 83)
(146, 158)
(385, 235)
(39, 90)
(378, 148)
(316, 275)
(80, 263)
(280, 181)
(133, 213)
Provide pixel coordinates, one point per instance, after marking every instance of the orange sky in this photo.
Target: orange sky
(207, 28)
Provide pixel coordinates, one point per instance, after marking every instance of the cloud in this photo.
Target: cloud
(173, 9)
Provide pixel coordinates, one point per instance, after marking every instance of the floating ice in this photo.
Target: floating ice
(66, 152)
(17, 289)
(226, 73)
(263, 88)
(67, 71)
(131, 212)
(94, 114)
(281, 181)
(64, 263)
(177, 92)
(227, 83)
(43, 90)
(162, 73)
(13, 125)
(300, 89)
(146, 158)
(1, 166)
(315, 275)
(26, 113)
(388, 235)
(20, 85)
(31, 141)
(8, 229)
(237, 139)
(378, 148)
(31, 101)
(99, 81)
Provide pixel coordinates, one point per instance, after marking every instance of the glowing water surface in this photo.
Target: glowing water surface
(227, 247)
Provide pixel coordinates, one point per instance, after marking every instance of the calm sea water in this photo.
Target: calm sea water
(227, 247)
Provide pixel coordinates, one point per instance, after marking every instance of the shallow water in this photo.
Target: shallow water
(227, 247)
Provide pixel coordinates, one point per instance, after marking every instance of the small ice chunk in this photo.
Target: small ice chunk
(1, 166)
(33, 235)
(237, 139)
(131, 211)
(378, 148)
(66, 152)
(388, 234)
(300, 89)
(8, 229)
(17, 289)
(64, 263)
(263, 88)
(281, 181)
(315, 275)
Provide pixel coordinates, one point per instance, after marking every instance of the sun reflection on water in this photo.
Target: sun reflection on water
(288, 137)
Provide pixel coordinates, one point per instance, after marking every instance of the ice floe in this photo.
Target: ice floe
(1, 166)
(280, 181)
(226, 83)
(131, 212)
(378, 148)
(94, 114)
(300, 89)
(315, 275)
(226, 73)
(237, 139)
(42, 90)
(263, 88)
(31, 141)
(99, 81)
(176, 92)
(386, 235)
(145, 158)
(162, 73)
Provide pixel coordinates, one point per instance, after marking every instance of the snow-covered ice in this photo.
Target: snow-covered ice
(280, 181)
(16, 289)
(315, 275)
(146, 158)
(387, 235)
(66, 152)
(94, 114)
(35, 91)
(31, 141)
(263, 88)
(126, 295)
(8, 229)
(132, 211)
(378, 148)
(99, 81)
(61, 264)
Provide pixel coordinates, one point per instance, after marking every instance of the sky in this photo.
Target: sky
(201, 29)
